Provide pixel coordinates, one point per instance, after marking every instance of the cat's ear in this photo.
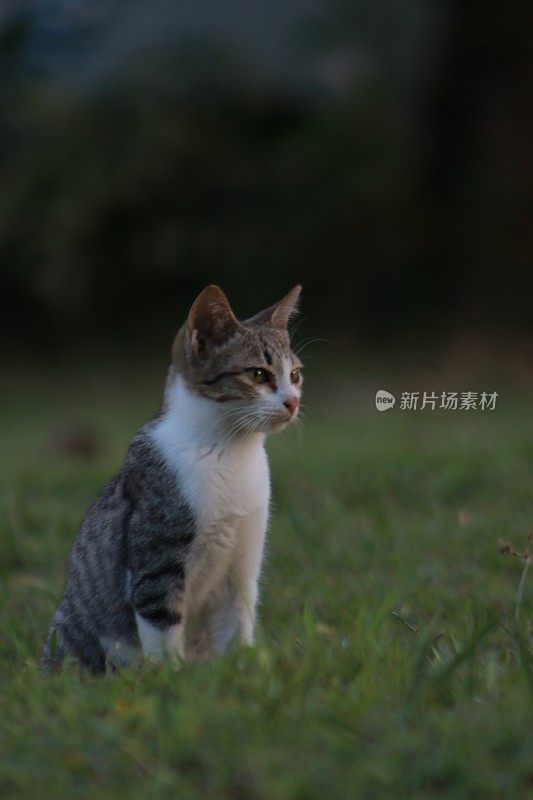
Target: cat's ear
(280, 314)
(211, 320)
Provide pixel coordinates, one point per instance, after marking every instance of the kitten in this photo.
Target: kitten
(167, 560)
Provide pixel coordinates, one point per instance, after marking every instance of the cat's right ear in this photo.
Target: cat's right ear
(211, 321)
(278, 315)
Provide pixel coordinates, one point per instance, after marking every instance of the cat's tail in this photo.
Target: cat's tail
(68, 637)
(54, 652)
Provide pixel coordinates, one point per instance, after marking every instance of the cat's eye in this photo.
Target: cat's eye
(258, 375)
(295, 375)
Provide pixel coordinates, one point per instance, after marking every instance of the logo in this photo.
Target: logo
(384, 400)
(446, 401)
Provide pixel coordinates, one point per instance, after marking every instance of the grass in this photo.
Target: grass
(392, 658)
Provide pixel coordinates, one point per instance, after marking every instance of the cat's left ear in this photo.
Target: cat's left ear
(280, 314)
(211, 321)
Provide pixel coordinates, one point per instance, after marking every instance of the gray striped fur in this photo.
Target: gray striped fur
(129, 554)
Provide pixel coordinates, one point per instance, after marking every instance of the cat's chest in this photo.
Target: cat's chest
(224, 486)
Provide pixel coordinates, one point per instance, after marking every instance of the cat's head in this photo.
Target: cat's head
(246, 368)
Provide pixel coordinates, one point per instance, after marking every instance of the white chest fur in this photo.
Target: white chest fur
(220, 480)
(226, 485)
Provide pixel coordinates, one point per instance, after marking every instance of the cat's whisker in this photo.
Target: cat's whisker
(307, 411)
(300, 421)
(241, 425)
(306, 343)
(296, 327)
(230, 416)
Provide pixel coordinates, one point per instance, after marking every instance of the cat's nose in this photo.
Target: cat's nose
(291, 404)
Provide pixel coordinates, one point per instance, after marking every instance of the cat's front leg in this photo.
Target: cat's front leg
(231, 613)
(246, 605)
(246, 572)
(229, 619)
(160, 615)
(161, 644)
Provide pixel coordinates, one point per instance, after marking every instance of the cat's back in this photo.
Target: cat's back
(145, 487)
(133, 508)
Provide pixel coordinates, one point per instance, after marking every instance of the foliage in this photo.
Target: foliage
(391, 661)
(383, 167)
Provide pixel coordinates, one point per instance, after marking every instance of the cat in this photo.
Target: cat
(167, 560)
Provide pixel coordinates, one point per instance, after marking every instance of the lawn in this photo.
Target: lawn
(392, 660)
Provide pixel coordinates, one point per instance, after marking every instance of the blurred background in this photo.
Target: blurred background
(379, 153)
